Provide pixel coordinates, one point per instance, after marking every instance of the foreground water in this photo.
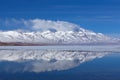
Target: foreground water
(59, 64)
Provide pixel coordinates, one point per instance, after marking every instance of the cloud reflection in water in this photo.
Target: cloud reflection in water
(44, 60)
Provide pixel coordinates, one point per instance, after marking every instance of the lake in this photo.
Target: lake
(60, 63)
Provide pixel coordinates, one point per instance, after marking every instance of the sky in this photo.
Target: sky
(96, 15)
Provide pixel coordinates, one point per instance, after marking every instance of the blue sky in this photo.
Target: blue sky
(96, 15)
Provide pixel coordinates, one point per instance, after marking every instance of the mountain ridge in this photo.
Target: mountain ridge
(53, 33)
(52, 38)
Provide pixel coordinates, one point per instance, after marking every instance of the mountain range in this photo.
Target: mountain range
(54, 36)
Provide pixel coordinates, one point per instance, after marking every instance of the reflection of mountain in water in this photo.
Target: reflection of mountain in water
(43, 60)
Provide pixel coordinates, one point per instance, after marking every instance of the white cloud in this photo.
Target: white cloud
(12, 24)
(41, 25)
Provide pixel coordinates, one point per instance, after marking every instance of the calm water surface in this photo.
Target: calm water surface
(59, 65)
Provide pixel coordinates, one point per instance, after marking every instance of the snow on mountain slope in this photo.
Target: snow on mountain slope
(52, 32)
(52, 37)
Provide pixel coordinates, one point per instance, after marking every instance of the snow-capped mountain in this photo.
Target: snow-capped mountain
(53, 33)
(48, 37)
